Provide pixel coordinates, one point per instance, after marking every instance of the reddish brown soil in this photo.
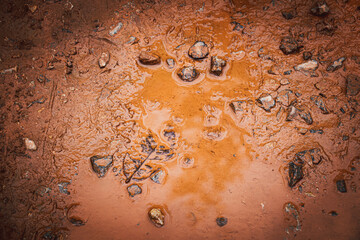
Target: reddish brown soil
(224, 164)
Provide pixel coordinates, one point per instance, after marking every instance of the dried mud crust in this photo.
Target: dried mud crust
(229, 119)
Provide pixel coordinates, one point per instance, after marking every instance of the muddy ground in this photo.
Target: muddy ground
(114, 127)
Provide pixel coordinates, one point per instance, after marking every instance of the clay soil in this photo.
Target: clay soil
(262, 151)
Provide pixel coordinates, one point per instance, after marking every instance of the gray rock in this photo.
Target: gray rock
(63, 188)
(104, 59)
(336, 64)
(266, 102)
(101, 165)
(341, 186)
(134, 190)
(217, 65)
(170, 62)
(199, 50)
(116, 29)
(295, 173)
(298, 112)
(310, 65)
(289, 45)
(352, 85)
(188, 74)
(147, 58)
(221, 221)
(319, 101)
(158, 176)
(285, 97)
(320, 8)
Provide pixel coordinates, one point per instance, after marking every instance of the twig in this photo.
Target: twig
(138, 168)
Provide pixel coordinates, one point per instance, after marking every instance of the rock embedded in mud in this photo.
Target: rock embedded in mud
(289, 14)
(158, 176)
(295, 173)
(266, 102)
(217, 65)
(30, 144)
(157, 217)
(310, 65)
(326, 27)
(170, 62)
(319, 101)
(104, 59)
(336, 64)
(352, 85)
(307, 55)
(101, 165)
(295, 111)
(116, 29)
(221, 221)
(188, 74)
(341, 186)
(134, 190)
(311, 157)
(147, 58)
(320, 8)
(289, 45)
(199, 50)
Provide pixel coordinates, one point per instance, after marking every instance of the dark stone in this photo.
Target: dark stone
(289, 45)
(199, 50)
(147, 58)
(101, 165)
(333, 213)
(266, 102)
(237, 26)
(188, 74)
(217, 65)
(319, 101)
(288, 72)
(288, 14)
(77, 221)
(134, 190)
(307, 55)
(319, 131)
(326, 27)
(170, 62)
(158, 176)
(295, 111)
(149, 145)
(345, 138)
(221, 221)
(170, 135)
(295, 174)
(352, 85)
(341, 186)
(320, 8)
(336, 64)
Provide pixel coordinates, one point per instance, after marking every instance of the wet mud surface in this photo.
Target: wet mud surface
(180, 119)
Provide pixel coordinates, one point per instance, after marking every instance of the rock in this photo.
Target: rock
(307, 55)
(289, 45)
(134, 190)
(30, 144)
(320, 9)
(336, 64)
(147, 58)
(326, 27)
(341, 186)
(217, 65)
(310, 65)
(69, 66)
(221, 221)
(288, 14)
(63, 188)
(101, 165)
(238, 106)
(295, 111)
(285, 97)
(187, 162)
(199, 50)
(319, 101)
(284, 81)
(157, 217)
(170, 135)
(352, 85)
(170, 62)
(104, 59)
(295, 173)
(237, 26)
(292, 217)
(266, 102)
(116, 29)
(311, 156)
(188, 74)
(158, 176)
